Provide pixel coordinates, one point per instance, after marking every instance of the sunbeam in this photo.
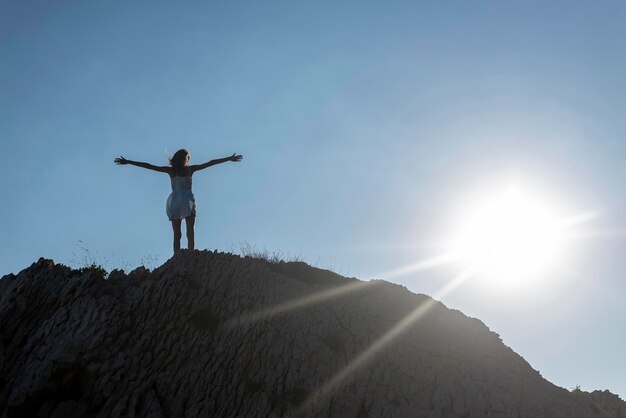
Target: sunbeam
(381, 342)
(598, 234)
(299, 303)
(578, 219)
(334, 293)
(420, 265)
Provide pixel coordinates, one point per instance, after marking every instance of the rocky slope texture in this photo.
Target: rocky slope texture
(213, 334)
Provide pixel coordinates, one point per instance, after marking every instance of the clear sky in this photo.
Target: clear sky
(364, 127)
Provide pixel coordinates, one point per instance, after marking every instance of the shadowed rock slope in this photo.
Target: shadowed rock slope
(214, 334)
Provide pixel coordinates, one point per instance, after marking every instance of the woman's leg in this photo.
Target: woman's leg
(190, 222)
(177, 233)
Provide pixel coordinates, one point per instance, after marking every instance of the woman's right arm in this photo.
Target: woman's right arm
(123, 161)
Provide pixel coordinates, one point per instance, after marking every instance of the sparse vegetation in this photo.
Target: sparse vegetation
(274, 257)
(95, 268)
(85, 260)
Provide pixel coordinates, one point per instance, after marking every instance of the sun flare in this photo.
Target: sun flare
(512, 237)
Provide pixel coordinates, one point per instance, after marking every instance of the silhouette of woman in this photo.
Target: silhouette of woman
(181, 203)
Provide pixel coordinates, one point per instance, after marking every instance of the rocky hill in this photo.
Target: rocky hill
(214, 334)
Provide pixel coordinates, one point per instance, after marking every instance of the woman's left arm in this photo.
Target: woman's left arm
(234, 158)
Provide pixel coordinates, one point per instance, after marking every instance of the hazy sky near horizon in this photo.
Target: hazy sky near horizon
(365, 128)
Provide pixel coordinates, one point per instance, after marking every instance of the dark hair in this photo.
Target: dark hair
(179, 160)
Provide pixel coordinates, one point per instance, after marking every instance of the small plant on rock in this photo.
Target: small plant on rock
(95, 268)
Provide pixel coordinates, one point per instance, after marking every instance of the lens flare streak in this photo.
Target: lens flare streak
(381, 342)
(299, 303)
(415, 267)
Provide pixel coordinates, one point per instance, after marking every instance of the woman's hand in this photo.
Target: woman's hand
(121, 161)
(235, 158)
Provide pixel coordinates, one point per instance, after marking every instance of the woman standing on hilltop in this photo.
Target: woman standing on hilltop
(181, 203)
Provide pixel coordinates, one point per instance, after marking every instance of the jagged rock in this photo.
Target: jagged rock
(214, 334)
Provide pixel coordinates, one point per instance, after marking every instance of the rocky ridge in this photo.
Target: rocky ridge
(214, 334)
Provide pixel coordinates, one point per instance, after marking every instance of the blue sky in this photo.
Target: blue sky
(362, 125)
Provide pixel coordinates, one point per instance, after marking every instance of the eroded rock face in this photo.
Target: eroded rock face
(213, 334)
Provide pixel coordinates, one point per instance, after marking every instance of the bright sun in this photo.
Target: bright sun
(511, 237)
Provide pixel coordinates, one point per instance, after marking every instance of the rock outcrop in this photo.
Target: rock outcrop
(214, 334)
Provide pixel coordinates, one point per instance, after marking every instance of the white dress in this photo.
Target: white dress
(181, 202)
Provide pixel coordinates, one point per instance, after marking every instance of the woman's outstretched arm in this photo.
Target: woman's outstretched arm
(234, 158)
(123, 161)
